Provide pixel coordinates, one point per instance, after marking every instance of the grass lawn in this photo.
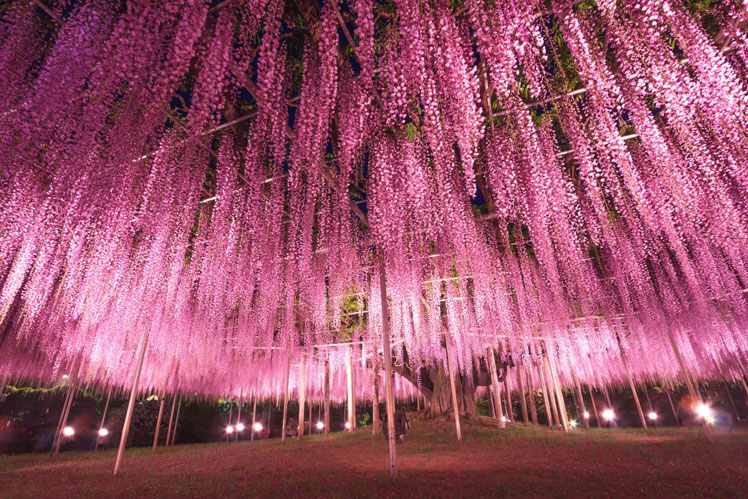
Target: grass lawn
(521, 461)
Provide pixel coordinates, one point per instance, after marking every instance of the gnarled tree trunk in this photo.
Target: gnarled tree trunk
(441, 394)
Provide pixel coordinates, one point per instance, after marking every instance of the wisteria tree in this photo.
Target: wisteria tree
(555, 187)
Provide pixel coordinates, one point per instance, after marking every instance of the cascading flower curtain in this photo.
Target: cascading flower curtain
(560, 177)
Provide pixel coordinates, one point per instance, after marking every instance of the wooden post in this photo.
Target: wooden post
(158, 420)
(285, 401)
(375, 423)
(387, 354)
(455, 405)
(522, 400)
(131, 404)
(580, 401)
(302, 397)
(531, 394)
(171, 420)
(254, 418)
(327, 397)
(496, 391)
(176, 421)
(351, 407)
(103, 417)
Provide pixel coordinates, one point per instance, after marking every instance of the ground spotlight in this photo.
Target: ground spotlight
(103, 432)
(652, 415)
(347, 425)
(704, 411)
(573, 423)
(503, 419)
(257, 426)
(609, 415)
(239, 426)
(68, 431)
(320, 425)
(229, 429)
(586, 415)
(710, 419)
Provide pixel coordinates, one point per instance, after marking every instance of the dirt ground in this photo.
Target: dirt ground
(522, 461)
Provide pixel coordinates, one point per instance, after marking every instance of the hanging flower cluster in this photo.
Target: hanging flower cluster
(565, 183)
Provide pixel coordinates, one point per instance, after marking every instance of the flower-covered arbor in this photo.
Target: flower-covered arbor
(561, 182)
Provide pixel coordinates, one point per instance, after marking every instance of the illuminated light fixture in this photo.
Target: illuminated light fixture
(573, 423)
(609, 415)
(704, 411)
(503, 419)
(68, 431)
(257, 426)
(652, 415)
(239, 426)
(229, 429)
(586, 415)
(347, 425)
(103, 432)
(710, 419)
(320, 425)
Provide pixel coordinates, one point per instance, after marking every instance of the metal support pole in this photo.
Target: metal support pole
(455, 405)
(531, 393)
(559, 393)
(351, 406)
(176, 421)
(63, 420)
(594, 407)
(254, 416)
(496, 391)
(545, 374)
(375, 423)
(695, 395)
(131, 404)
(231, 412)
(171, 420)
(158, 420)
(285, 401)
(580, 401)
(522, 399)
(238, 420)
(302, 398)
(387, 354)
(327, 397)
(672, 407)
(508, 398)
(103, 417)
